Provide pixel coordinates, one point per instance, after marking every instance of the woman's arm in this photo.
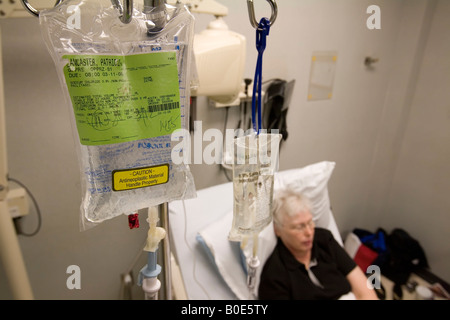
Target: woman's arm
(360, 286)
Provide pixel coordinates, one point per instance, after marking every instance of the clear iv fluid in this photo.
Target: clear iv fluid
(253, 195)
(253, 181)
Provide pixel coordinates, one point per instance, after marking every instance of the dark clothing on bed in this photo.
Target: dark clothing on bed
(283, 277)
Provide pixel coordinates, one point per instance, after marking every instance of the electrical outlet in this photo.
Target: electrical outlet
(17, 202)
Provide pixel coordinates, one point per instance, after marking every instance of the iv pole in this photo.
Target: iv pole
(164, 214)
(10, 251)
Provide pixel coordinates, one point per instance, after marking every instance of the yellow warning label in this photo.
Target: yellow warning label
(140, 177)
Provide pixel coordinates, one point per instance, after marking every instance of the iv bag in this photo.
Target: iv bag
(127, 86)
(255, 162)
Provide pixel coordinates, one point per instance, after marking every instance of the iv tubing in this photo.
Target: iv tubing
(255, 244)
(155, 233)
(253, 264)
(148, 277)
(151, 287)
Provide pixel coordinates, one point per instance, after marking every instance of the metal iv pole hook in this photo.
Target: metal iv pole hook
(32, 10)
(251, 13)
(126, 11)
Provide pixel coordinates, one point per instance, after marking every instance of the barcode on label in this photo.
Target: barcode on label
(164, 106)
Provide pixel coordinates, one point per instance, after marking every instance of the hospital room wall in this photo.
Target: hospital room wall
(418, 191)
(375, 118)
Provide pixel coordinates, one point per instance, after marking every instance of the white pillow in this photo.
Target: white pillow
(312, 181)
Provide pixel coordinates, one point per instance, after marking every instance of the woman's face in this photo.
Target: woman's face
(297, 232)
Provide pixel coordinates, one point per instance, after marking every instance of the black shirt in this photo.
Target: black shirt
(283, 277)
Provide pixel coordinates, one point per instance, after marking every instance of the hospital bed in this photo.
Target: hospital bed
(212, 267)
